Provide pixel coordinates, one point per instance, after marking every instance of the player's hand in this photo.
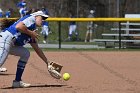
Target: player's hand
(35, 35)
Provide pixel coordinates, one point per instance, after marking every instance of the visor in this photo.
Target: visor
(39, 13)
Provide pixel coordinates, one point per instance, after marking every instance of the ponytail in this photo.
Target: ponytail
(5, 23)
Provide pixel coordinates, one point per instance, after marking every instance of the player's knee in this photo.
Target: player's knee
(25, 56)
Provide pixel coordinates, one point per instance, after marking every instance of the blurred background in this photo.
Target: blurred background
(80, 9)
(61, 8)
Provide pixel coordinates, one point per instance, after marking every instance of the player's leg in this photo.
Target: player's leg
(46, 32)
(45, 39)
(5, 44)
(70, 32)
(87, 35)
(42, 32)
(90, 36)
(24, 55)
(76, 32)
(21, 12)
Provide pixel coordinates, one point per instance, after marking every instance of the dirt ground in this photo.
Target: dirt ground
(91, 72)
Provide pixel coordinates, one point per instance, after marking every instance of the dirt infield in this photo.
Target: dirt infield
(91, 72)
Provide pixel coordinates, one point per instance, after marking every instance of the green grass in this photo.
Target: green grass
(90, 50)
(81, 29)
(79, 43)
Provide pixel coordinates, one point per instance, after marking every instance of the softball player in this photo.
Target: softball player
(90, 27)
(45, 30)
(23, 12)
(45, 26)
(72, 28)
(22, 8)
(1, 13)
(8, 13)
(14, 37)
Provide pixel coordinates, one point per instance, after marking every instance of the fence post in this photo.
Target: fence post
(119, 35)
(59, 33)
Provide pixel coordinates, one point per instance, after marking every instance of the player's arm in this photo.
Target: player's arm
(22, 26)
(23, 29)
(39, 52)
(53, 68)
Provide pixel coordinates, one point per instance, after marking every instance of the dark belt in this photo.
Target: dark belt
(13, 38)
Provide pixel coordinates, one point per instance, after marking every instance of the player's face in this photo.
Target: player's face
(38, 20)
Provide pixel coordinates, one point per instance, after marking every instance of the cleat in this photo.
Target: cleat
(2, 69)
(44, 42)
(20, 84)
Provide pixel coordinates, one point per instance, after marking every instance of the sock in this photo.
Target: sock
(20, 70)
(70, 35)
(77, 37)
(45, 37)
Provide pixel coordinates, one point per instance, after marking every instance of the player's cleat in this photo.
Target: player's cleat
(20, 84)
(44, 42)
(2, 69)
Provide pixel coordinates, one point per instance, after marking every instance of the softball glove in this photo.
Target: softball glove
(54, 69)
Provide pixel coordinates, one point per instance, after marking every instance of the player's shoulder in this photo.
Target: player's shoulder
(28, 17)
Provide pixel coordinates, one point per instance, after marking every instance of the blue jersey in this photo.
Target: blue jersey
(23, 11)
(1, 15)
(45, 11)
(72, 22)
(7, 14)
(45, 23)
(21, 4)
(23, 39)
(29, 22)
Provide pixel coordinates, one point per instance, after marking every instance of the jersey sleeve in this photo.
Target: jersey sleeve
(29, 21)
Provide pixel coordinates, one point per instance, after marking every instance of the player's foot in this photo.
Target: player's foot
(68, 39)
(20, 84)
(44, 42)
(2, 69)
(90, 40)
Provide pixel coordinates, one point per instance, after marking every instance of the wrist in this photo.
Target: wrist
(30, 33)
(47, 62)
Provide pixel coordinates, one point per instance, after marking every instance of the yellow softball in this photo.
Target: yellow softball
(66, 76)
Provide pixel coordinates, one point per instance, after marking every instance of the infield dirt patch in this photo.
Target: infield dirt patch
(91, 72)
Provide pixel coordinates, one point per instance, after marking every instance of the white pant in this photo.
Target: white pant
(6, 47)
(20, 51)
(45, 30)
(5, 44)
(72, 28)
